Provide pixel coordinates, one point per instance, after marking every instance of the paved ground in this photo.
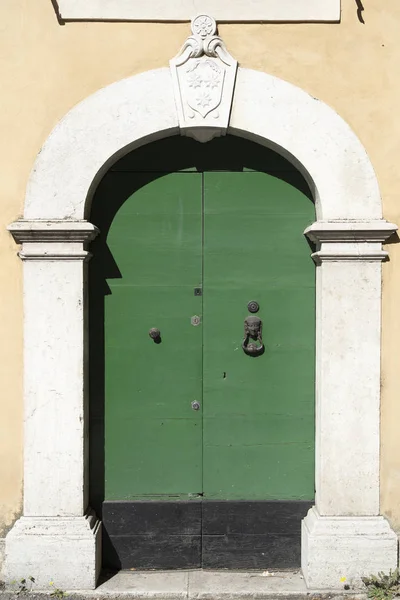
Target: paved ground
(199, 585)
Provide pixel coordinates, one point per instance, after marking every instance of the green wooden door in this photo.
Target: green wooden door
(153, 438)
(228, 484)
(258, 413)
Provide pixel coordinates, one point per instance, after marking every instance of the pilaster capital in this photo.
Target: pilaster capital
(350, 240)
(53, 239)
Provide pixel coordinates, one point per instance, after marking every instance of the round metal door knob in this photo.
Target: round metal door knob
(253, 306)
(154, 333)
(195, 405)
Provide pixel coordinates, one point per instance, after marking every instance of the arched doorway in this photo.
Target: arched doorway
(208, 449)
(343, 535)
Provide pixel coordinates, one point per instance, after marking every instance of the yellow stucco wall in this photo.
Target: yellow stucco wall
(46, 68)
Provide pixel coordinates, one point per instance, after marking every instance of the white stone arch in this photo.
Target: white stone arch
(343, 535)
(139, 109)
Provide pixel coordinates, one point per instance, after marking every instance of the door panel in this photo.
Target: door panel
(225, 486)
(252, 535)
(152, 436)
(152, 535)
(258, 412)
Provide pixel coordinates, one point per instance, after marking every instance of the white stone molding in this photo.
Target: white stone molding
(345, 549)
(62, 550)
(353, 240)
(53, 240)
(349, 257)
(348, 233)
(343, 536)
(54, 540)
(203, 77)
(183, 10)
(140, 109)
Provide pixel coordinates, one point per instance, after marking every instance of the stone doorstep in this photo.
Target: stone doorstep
(199, 585)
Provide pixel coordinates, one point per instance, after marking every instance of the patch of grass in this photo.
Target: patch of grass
(24, 584)
(383, 586)
(57, 592)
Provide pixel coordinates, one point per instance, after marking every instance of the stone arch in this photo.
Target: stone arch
(131, 112)
(343, 535)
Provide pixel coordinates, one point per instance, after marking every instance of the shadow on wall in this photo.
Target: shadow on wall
(394, 239)
(360, 9)
(57, 11)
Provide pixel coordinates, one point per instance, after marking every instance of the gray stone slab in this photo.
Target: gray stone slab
(160, 584)
(197, 585)
(223, 585)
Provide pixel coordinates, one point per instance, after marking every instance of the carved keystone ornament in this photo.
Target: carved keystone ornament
(203, 75)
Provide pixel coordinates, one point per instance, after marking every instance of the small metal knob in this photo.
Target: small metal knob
(253, 306)
(195, 405)
(154, 333)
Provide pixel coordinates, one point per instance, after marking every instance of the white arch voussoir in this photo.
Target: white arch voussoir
(141, 108)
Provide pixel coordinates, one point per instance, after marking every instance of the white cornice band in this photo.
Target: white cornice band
(53, 230)
(350, 241)
(61, 239)
(350, 231)
(53, 239)
(184, 10)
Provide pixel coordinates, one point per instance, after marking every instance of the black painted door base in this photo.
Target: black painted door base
(205, 534)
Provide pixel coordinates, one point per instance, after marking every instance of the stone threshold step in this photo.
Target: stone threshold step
(200, 585)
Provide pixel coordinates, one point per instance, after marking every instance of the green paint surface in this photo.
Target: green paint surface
(239, 236)
(153, 438)
(258, 412)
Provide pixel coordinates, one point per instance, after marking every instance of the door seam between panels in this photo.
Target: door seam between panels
(202, 362)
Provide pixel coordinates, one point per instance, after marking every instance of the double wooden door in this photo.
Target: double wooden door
(209, 443)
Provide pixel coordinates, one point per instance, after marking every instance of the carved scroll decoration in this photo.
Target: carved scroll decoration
(203, 76)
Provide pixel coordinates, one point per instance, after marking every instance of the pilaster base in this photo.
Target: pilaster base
(62, 550)
(340, 550)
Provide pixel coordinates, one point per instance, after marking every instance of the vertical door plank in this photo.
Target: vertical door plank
(152, 436)
(258, 412)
